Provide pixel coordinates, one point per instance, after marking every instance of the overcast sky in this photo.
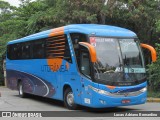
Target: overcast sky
(13, 2)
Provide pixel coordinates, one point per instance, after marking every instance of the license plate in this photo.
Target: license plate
(125, 101)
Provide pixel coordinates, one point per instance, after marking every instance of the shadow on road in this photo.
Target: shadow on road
(43, 100)
(59, 103)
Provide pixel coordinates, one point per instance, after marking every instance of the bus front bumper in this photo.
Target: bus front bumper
(103, 101)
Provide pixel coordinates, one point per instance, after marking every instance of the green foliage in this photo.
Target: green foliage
(139, 16)
(153, 94)
(154, 72)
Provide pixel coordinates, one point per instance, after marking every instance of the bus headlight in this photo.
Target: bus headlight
(144, 89)
(99, 90)
(103, 92)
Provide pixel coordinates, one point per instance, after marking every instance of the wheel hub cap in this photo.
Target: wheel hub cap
(70, 99)
(20, 90)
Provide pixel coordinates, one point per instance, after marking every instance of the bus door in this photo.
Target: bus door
(86, 81)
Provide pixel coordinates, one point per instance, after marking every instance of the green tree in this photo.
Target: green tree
(138, 15)
(154, 72)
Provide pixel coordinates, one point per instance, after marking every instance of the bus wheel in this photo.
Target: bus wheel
(21, 91)
(69, 99)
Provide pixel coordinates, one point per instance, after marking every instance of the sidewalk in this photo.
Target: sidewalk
(153, 99)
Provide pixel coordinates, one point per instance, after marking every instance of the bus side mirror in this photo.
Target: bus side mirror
(153, 51)
(91, 50)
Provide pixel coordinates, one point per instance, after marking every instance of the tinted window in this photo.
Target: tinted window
(39, 49)
(26, 51)
(14, 51)
(85, 63)
(53, 47)
(76, 38)
(67, 54)
(9, 54)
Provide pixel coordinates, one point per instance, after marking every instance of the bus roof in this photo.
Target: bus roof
(90, 29)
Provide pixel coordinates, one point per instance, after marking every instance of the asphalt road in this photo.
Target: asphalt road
(10, 101)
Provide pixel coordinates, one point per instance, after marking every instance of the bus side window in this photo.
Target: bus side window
(18, 51)
(10, 52)
(67, 53)
(76, 38)
(85, 63)
(39, 49)
(26, 52)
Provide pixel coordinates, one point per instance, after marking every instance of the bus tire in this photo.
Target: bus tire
(22, 94)
(69, 99)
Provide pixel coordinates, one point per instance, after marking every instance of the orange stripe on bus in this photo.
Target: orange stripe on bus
(56, 61)
(57, 46)
(51, 57)
(59, 56)
(57, 50)
(52, 40)
(56, 37)
(52, 51)
(55, 40)
(57, 31)
(111, 87)
(56, 43)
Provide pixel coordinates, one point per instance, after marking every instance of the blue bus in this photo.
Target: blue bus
(92, 65)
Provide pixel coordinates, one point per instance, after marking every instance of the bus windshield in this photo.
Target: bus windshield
(119, 61)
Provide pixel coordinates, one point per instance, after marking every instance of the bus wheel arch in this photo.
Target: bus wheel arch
(68, 97)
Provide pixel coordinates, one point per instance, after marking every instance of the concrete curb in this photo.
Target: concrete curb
(153, 99)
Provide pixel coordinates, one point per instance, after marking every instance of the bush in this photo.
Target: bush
(154, 72)
(1, 83)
